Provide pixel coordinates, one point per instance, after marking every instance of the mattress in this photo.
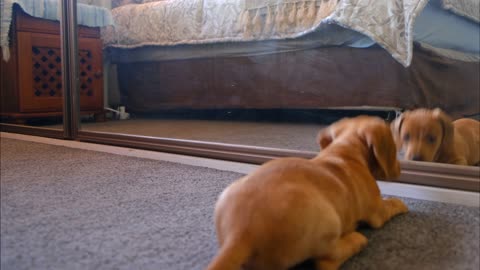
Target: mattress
(326, 35)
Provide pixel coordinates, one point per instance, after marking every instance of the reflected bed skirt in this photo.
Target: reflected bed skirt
(306, 79)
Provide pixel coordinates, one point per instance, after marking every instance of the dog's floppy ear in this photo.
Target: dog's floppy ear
(384, 164)
(396, 128)
(325, 137)
(447, 126)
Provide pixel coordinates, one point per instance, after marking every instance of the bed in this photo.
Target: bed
(296, 54)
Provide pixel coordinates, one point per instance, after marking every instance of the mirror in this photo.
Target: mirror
(30, 66)
(431, 135)
(272, 74)
(269, 73)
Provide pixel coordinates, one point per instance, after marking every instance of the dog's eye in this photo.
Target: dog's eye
(431, 139)
(406, 137)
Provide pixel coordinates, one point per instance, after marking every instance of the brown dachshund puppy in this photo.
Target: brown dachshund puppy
(430, 135)
(293, 209)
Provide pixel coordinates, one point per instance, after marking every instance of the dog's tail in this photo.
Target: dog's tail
(231, 256)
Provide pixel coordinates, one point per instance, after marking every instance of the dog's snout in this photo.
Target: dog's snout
(417, 157)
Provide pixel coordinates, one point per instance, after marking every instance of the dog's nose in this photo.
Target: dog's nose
(417, 157)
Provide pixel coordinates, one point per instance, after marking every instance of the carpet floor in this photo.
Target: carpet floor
(65, 208)
(300, 136)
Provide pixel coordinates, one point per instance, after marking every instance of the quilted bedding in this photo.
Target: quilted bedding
(467, 8)
(388, 22)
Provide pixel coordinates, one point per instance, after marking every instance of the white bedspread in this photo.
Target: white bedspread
(173, 22)
(466, 8)
(387, 22)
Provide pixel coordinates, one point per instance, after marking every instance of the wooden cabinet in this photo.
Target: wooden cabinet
(31, 81)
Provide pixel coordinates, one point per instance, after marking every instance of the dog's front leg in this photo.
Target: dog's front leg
(386, 209)
(342, 250)
(459, 161)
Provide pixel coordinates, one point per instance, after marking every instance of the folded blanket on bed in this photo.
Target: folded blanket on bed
(466, 8)
(387, 22)
(87, 15)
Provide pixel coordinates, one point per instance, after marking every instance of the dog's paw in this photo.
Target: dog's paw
(358, 241)
(347, 246)
(327, 265)
(398, 206)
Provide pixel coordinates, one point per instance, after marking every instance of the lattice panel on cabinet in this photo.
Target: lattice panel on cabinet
(86, 72)
(47, 72)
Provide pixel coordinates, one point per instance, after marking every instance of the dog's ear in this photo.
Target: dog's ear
(447, 126)
(396, 128)
(384, 164)
(325, 137)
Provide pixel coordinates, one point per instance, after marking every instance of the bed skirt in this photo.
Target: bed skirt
(308, 79)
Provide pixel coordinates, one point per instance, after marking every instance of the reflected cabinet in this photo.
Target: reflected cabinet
(31, 81)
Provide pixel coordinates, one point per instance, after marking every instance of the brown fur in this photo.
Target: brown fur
(293, 209)
(431, 135)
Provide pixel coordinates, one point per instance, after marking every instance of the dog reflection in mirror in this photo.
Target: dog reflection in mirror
(431, 135)
(293, 209)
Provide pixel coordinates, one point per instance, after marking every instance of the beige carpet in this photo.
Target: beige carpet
(64, 208)
(266, 134)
